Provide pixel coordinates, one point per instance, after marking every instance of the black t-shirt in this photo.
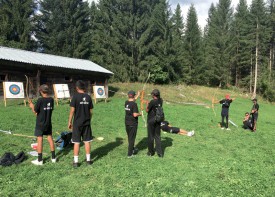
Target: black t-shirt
(82, 103)
(130, 108)
(256, 107)
(164, 126)
(225, 105)
(44, 108)
(152, 108)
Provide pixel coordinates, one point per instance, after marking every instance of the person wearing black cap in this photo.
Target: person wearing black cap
(43, 110)
(131, 122)
(153, 127)
(254, 113)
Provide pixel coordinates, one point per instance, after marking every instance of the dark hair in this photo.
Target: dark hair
(246, 113)
(156, 93)
(44, 89)
(80, 85)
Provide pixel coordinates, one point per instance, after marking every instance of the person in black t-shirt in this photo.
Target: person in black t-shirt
(254, 113)
(43, 110)
(247, 121)
(81, 113)
(131, 122)
(225, 110)
(153, 127)
(165, 126)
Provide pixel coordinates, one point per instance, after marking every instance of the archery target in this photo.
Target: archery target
(14, 89)
(61, 91)
(99, 92)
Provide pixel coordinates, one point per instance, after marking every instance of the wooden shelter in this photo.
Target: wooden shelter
(48, 69)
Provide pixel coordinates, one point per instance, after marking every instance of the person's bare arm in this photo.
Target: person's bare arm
(71, 117)
(32, 107)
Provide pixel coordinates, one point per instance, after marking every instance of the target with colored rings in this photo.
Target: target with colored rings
(14, 89)
(100, 91)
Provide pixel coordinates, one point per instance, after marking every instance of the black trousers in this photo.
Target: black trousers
(131, 133)
(153, 129)
(226, 118)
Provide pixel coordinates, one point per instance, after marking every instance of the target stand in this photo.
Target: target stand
(99, 93)
(61, 91)
(13, 90)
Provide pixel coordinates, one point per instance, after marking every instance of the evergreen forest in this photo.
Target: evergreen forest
(133, 38)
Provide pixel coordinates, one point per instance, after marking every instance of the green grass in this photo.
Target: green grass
(212, 163)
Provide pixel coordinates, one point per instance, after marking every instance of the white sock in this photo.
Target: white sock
(88, 157)
(189, 134)
(75, 159)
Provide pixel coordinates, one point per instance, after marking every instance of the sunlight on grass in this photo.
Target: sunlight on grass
(212, 163)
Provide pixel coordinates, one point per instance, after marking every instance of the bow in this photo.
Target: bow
(142, 101)
(214, 102)
(27, 89)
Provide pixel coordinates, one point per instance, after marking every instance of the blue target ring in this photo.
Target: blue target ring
(100, 91)
(14, 89)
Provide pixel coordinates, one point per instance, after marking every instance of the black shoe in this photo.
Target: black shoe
(160, 155)
(135, 151)
(90, 162)
(75, 165)
(150, 154)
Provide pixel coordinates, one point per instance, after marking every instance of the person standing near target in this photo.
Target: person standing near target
(131, 121)
(81, 114)
(43, 110)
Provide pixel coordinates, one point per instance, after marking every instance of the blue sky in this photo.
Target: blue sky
(202, 7)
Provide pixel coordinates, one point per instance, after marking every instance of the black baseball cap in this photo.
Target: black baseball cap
(132, 92)
(155, 92)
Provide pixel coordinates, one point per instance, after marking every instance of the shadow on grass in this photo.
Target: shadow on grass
(142, 144)
(104, 150)
(166, 142)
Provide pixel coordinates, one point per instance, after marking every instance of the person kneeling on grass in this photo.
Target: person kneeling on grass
(165, 126)
(247, 122)
(43, 110)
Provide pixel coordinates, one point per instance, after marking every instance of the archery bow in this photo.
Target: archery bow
(142, 101)
(27, 88)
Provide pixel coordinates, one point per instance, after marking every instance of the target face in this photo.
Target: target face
(14, 89)
(99, 92)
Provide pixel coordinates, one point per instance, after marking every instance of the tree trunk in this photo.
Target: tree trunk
(256, 62)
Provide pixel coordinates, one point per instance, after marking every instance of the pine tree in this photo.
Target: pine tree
(261, 36)
(193, 50)
(177, 50)
(219, 42)
(241, 41)
(16, 23)
(63, 28)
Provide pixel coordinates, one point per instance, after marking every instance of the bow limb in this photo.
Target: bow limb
(27, 88)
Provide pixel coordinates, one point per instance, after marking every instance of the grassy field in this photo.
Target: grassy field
(212, 163)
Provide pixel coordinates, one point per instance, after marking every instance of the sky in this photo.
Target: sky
(202, 7)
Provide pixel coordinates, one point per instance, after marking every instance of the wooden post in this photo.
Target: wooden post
(38, 82)
(4, 90)
(106, 89)
(55, 94)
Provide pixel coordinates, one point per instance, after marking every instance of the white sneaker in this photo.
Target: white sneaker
(189, 134)
(222, 128)
(228, 129)
(38, 163)
(193, 132)
(54, 160)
